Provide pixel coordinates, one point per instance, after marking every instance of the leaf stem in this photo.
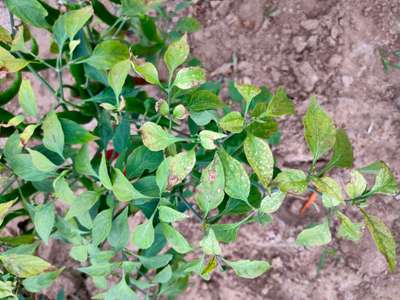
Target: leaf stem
(197, 215)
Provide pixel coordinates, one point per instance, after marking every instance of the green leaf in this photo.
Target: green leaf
(53, 135)
(232, 122)
(74, 133)
(317, 235)
(62, 190)
(347, 229)
(6, 290)
(188, 78)
(101, 269)
(162, 176)
(164, 275)
(263, 128)
(29, 11)
(118, 74)
(119, 235)
(102, 226)
(249, 268)
(79, 253)
(383, 239)
(13, 146)
(385, 182)
(209, 244)
(149, 72)
(82, 162)
(82, 204)
(120, 291)
(44, 219)
(175, 239)
(143, 234)
(27, 99)
(142, 159)
(226, 233)
(22, 166)
(272, 203)
(342, 156)
(40, 282)
(41, 162)
(260, 158)
(237, 182)
(107, 54)
(319, 130)
(133, 8)
(357, 185)
(123, 190)
(176, 53)
(207, 138)
(331, 191)
(170, 215)
(280, 104)
(103, 173)
(23, 266)
(155, 138)
(247, 91)
(188, 24)
(121, 138)
(155, 262)
(291, 180)
(204, 100)
(180, 166)
(4, 208)
(210, 191)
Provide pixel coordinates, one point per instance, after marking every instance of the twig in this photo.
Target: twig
(195, 212)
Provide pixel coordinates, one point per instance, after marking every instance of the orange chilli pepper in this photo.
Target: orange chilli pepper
(310, 201)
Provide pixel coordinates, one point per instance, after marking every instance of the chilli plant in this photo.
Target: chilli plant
(104, 152)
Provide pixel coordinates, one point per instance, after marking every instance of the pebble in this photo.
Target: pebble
(299, 43)
(310, 24)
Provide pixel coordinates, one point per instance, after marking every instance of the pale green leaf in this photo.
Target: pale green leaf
(119, 235)
(176, 54)
(385, 182)
(247, 91)
(36, 284)
(237, 182)
(347, 229)
(29, 11)
(62, 190)
(260, 158)
(82, 163)
(143, 234)
(117, 76)
(102, 226)
(209, 244)
(9, 62)
(208, 137)
(280, 104)
(232, 122)
(291, 180)
(79, 253)
(44, 219)
(272, 203)
(5, 36)
(210, 191)
(170, 215)
(204, 100)
(23, 266)
(107, 54)
(15, 121)
(249, 268)
(53, 135)
(317, 235)
(162, 174)
(175, 239)
(27, 98)
(164, 275)
(41, 162)
(190, 77)
(383, 238)
(155, 262)
(6, 290)
(4, 208)
(357, 185)
(180, 166)
(103, 173)
(120, 291)
(82, 204)
(331, 191)
(156, 138)
(226, 233)
(149, 72)
(123, 189)
(319, 130)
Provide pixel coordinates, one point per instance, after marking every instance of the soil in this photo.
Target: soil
(327, 48)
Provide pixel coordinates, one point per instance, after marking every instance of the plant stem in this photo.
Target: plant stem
(188, 205)
(59, 74)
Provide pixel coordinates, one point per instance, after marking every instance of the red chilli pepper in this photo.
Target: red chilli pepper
(311, 199)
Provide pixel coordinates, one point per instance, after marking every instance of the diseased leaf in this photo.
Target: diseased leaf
(383, 239)
(260, 158)
(6, 290)
(53, 135)
(29, 11)
(385, 182)
(249, 268)
(179, 166)
(44, 220)
(10, 63)
(162, 175)
(210, 244)
(170, 215)
(317, 235)
(27, 98)
(102, 226)
(191, 77)
(208, 137)
(247, 91)
(204, 100)
(237, 182)
(272, 203)
(123, 190)
(291, 180)
(331, 191)
(280, 104)
(232, 122)
(210, 191)
(175, 239)
(23, 266)
(176, 53)
(357, 185)
(347, 229)
(155, 138)
(149, 72)
(319, 130)
(143, 234)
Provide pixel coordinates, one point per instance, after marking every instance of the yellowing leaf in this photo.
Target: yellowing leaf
(280, 104)
(175, 239)
(170, 215)
(260, 158)
(208, 137)
(176, 53)
(41, 162)
(210, 244)
(191, 77)
(292, 180)
(24, 266)
(347, 229)
(4, 208)
(179, 166)
(385, 182)
(331, 191)
(149, 72)
(249, 268)
(357, 185)
(155, 138)
(247, 91)
(317, 235)
(272, 203)
(232, 122)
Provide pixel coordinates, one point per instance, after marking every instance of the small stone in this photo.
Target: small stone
(299, 43)
(335, 60)
(307, 76)
(310, 24)
(347, 80)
